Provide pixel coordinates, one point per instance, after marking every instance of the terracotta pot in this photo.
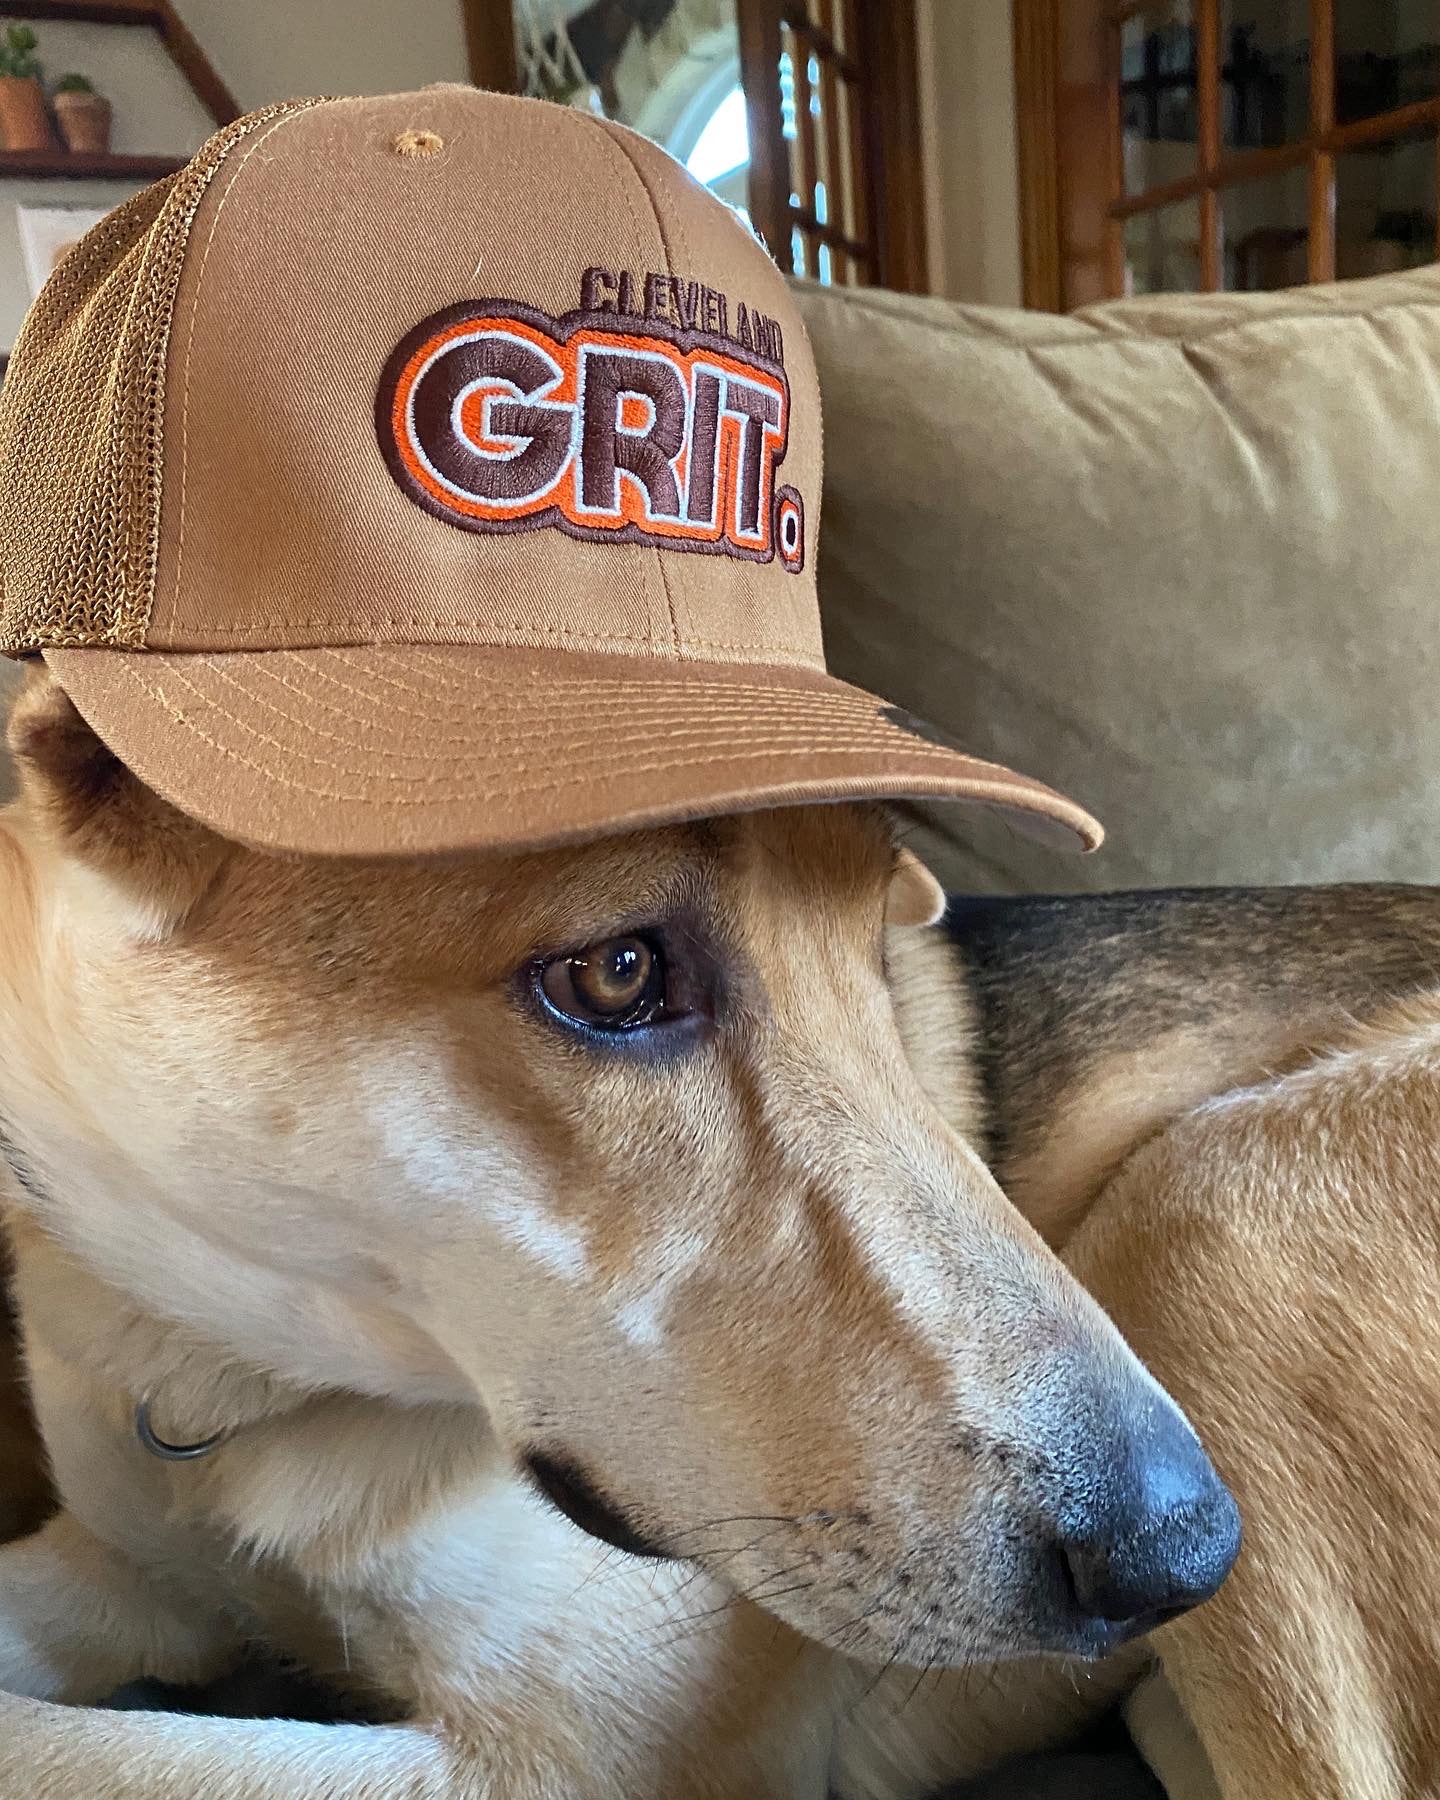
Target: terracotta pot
(24, 122)
(84, 121)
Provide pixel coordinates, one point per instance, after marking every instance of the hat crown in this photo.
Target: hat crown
(436, 368)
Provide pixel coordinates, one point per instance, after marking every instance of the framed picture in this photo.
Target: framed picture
(47, 232)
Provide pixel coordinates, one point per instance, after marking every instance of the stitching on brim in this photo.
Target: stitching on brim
(1003, 791)
(548, 631)
(698, 704)
(564, 688)
(658, 728)
(560, 725)
(628, 670)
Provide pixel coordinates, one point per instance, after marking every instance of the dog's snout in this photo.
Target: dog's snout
(1160, 1536)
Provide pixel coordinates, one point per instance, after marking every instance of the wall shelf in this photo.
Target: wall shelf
(64, 165)
(162, 19)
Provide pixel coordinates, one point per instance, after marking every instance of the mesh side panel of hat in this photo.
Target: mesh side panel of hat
(81, 416)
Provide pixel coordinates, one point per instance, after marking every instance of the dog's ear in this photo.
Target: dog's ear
(916, 897)
(85, 801)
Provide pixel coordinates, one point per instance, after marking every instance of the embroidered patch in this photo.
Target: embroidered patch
(499, 418)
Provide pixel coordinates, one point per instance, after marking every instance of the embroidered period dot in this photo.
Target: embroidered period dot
(415, 142)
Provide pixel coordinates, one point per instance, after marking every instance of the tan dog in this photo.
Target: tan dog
(1224, 1106)
(324, 1156)
(423, 491)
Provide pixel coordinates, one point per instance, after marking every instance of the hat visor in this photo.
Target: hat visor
(415, 750)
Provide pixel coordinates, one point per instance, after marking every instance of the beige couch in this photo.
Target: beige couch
(1180, 557)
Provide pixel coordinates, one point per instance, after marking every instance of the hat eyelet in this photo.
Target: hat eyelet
(416, 141)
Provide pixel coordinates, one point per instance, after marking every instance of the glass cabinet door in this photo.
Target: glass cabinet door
(1253, 143)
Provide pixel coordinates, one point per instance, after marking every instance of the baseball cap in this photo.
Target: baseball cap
(439, 472)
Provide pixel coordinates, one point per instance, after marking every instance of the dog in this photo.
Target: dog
(1221, 1106)
(531, 1339)
(1151, 1073)
(1217, 1104)
(477, 1229)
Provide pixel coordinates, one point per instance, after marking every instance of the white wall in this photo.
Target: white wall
(275, 49)
(263, 49)
(967, 78)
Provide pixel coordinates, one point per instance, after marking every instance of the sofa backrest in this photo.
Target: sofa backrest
(1178, 557)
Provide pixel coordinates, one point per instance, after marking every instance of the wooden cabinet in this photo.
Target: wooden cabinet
(1224, 144)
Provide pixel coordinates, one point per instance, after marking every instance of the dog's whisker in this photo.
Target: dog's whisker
(736, 1519)
(603, 1566)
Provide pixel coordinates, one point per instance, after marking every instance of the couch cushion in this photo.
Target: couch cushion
(1176, 556)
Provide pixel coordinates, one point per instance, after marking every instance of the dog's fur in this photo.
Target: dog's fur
(291, 1157)
(1225, 1106)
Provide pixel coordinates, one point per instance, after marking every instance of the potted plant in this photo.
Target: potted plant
(82, 115)
(24, 122)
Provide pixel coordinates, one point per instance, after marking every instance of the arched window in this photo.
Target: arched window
(723, 147)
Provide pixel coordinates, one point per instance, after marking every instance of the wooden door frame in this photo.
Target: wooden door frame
(1036, 25)
(886, 50)
(490, 43)
(1062, 96)
(889, 51)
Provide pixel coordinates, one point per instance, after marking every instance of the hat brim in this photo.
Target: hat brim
(411, 750)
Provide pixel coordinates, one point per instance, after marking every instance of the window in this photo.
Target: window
(1235, 144)
(723, 146)
(802, 113)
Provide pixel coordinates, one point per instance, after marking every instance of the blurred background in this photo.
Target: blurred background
(1044, 152)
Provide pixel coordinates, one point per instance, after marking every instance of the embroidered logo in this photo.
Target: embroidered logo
(499, 418)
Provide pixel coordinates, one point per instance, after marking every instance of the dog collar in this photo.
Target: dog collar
(167, 1452)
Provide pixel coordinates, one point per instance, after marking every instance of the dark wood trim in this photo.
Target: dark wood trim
(1107, 79)
(89, 12)
(1320, 249)
(1036, 28)
(769, 174)
(809, 222)
(163, 19)
(885, 232)
(886, 49)
(803, 178)
(490, 44)
(1249, 164)
(839, 168)
(1207, 82)
(194, 65)
(798, 19)
(1245, 167)
(65, 165)
(862, 201)
(1087, 125)
(1068, 91)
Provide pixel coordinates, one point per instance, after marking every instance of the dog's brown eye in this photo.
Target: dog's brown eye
(614, 986)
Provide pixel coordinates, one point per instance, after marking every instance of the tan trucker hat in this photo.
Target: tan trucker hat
(437, 472)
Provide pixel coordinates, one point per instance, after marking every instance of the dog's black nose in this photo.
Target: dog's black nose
(1159, 1537)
